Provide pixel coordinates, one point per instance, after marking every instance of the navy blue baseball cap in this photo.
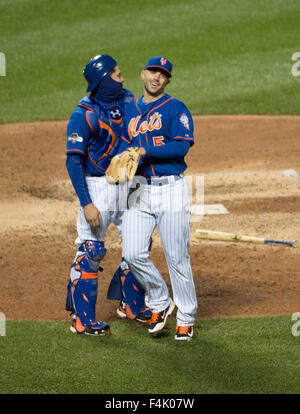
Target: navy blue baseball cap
(161, 63)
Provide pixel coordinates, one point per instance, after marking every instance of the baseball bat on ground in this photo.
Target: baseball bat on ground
(223, 236)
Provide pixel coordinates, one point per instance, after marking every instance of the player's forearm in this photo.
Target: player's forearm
(171, 150)
(77, 176)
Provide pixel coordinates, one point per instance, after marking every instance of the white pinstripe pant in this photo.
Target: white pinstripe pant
(106, 198)
(166, 207)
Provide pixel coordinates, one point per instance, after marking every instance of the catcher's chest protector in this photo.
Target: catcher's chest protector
(105, 143)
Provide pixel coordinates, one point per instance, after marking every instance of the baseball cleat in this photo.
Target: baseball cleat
(144, 316)
(159, 319)
(94, 329)
(121, 311)
(98, 329)
(72, 327)
(184, 333)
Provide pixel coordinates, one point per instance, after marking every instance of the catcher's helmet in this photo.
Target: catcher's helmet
(97, 68)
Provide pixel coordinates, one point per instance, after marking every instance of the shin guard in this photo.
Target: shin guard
(83, 285)
(124, 286)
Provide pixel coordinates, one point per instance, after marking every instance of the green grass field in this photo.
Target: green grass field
(230, 356)
(229, 56)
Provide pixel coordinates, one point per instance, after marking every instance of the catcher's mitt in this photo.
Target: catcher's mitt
(123, 166)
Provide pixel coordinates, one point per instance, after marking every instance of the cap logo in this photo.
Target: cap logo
(163, 61)
(98, 65)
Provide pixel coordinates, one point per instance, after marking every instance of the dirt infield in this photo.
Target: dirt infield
(249, 164)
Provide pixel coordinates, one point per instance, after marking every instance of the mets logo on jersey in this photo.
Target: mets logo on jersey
(185, 121)
(134, 129)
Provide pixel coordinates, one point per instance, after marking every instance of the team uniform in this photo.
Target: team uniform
(164, 129)
(93, 138)
(93, 132)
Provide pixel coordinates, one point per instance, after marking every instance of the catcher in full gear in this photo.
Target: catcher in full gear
(93, 138)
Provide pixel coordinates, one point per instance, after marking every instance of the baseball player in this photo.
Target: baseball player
(162, 127)
(93, 137)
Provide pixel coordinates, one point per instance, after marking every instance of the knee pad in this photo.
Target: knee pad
(87, 259)
(94, 250)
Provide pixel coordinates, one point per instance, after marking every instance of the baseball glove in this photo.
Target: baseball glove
(123, 166)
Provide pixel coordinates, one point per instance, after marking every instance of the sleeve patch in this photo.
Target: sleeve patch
(74, 137)
(185, 121)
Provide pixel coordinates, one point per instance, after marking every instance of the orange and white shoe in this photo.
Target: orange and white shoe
(184, 333)
(159, 319)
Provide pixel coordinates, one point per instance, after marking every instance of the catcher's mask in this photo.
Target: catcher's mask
(96, 69)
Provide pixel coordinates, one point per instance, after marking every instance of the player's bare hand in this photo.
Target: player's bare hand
(92, 215)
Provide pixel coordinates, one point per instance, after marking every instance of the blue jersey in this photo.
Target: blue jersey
(94, 131)
(154, 125)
